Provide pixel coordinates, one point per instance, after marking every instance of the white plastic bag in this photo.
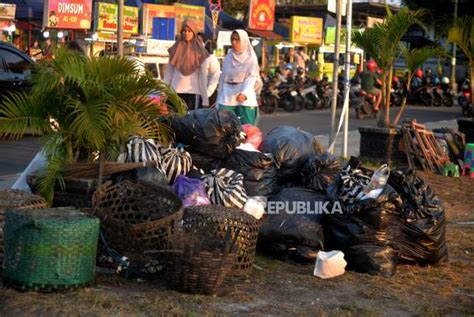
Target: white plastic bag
(38, 163)
(329, 264)
(255, 206)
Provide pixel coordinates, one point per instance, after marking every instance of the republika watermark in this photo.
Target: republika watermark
(304, 207)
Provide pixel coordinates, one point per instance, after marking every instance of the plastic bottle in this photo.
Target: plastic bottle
(377, 182)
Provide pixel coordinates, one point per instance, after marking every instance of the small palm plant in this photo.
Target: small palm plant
(382, 42)
(83, 106)
(462, 34)
(414, 58)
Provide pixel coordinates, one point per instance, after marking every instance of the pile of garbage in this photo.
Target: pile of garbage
(310, 202)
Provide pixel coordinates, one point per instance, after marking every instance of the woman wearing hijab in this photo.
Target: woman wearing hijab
(239, 79)
(186, 71)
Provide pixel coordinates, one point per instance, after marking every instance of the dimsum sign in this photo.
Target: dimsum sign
(68, 14)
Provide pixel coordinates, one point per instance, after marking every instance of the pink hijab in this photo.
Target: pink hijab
(187, 57)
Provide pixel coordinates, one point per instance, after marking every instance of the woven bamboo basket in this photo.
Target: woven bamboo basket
(50, 249)
(216, 219)
(16, 199)
(199, 263)
(137, 218)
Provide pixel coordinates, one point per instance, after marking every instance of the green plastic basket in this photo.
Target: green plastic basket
(50, 249)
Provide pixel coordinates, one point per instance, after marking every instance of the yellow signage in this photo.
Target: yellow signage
(307, 30)
(107, 18)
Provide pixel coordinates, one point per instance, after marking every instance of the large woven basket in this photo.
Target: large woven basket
(137, 218)
(216, 219)
(199, 263)
(78, 192)
(50, 249)
(17, 199)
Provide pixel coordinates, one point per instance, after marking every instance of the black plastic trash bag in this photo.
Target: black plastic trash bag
(259, 171)
(320, 171)
(291, 148)
(147, 174)
(205, 162)
(285, 233)
(213, 132)
(422, 239)
(366, 232)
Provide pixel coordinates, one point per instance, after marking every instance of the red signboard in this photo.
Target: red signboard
(68, 14)
(262, 15)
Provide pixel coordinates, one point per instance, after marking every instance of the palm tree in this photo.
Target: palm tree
(462, 34)
(382, 44)
(414, 58)
(85, 106)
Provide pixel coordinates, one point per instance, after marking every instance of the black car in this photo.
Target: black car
(15, 69)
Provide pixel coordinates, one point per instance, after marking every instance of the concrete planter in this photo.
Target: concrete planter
(466, 126)
(384, 145)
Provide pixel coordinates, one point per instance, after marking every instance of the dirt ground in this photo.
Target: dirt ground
(278, 288)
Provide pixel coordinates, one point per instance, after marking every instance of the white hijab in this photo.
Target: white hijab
(237, 67)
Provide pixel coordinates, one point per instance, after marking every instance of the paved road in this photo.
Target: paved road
(15, 155)
(319, 121)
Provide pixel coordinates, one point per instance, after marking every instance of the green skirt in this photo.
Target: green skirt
(246, 114)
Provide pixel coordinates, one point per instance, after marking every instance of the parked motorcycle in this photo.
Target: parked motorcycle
(448, 92)
(396, 95)
(464, 98)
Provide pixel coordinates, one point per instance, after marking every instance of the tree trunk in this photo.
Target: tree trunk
(382, 122)
(389, 90)
(471, 63)
(404, 101)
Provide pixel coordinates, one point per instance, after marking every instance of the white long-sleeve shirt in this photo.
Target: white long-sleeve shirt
(213, 73)
(228, 93)
(196, 83)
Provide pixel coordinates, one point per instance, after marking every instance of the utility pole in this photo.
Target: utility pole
(119, 27)
(347, 74)
(453, 58)
(335, 71)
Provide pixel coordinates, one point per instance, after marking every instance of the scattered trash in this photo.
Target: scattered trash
(329, 264)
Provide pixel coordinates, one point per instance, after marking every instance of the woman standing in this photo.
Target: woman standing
(240, 79)
(186, 71)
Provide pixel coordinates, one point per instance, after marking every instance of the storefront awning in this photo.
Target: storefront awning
(267, 35)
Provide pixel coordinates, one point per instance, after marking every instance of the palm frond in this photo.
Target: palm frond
(416, 57)
(462, 34)
(18, 112)
(54, 175)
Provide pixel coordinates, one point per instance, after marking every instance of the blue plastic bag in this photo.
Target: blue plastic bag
(191, 191)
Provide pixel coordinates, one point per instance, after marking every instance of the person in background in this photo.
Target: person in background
(240, 79)
(301, 58)
(369, 79)
(35, 51)
(187, 71)
(213, 70)
(48, 52)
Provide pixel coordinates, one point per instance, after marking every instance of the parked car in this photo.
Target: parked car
(15, 70)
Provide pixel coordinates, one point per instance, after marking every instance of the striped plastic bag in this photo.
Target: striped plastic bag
(226, 187)
(142, 150)
(175, 162)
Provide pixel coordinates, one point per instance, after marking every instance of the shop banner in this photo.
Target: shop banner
(107, 18)
(306, 30)
(67, 14)
(184, 11)
(151, 11)
(7, 11)
(262, 15)
(158, 47)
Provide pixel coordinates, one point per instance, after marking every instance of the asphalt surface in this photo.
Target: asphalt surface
(15, 155)
(318, 122)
